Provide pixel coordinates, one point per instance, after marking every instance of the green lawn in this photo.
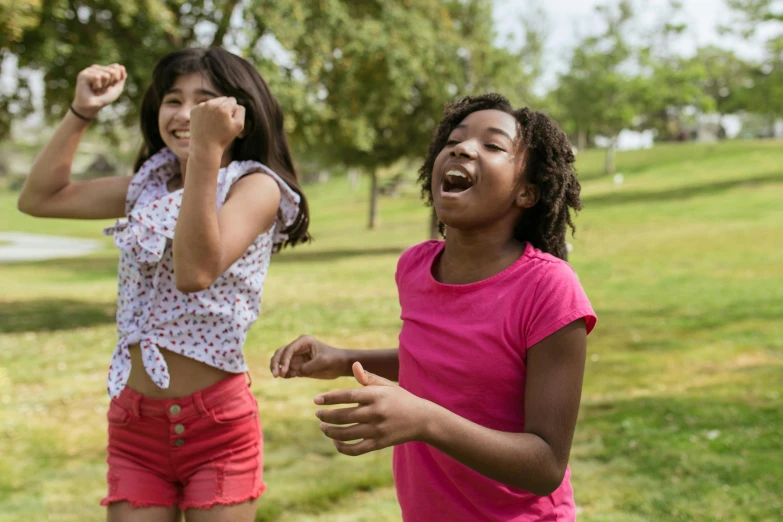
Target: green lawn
(681, 417)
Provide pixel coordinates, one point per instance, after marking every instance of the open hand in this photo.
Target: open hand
(97, 86)
(308, 357)
(215, 123)
(386, 415)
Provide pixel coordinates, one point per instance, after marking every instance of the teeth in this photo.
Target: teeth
(456, 173)
(182, 134)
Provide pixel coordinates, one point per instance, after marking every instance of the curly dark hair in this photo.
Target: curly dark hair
(549, 164)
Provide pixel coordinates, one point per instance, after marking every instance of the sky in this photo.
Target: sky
(567, 19)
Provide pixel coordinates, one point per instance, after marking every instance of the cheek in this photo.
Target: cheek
(439, 160)
(162, 120)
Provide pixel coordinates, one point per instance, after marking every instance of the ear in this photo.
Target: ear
(528, 195)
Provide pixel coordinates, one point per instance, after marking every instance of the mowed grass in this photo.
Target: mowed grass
(681, 412)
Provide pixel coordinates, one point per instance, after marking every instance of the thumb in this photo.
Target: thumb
(366, 378)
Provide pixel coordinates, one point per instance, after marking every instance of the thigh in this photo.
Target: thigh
(124, 512)
(244, 512)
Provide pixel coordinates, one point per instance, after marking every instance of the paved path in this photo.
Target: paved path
(18, 246)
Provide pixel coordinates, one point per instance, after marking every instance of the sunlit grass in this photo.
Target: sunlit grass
(681, 406)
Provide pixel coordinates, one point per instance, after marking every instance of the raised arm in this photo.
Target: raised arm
(207, 242)
(535, 460)
(48, 190)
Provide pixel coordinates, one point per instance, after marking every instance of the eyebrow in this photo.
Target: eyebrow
(198, 91)
(493, 130)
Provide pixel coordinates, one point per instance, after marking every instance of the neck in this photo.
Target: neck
(471, 256)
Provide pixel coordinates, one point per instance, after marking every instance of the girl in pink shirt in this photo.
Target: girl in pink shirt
(214, 194)
(494, 324)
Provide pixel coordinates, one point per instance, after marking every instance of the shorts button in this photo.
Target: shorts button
(179, 429)
(175, 409)
(179, 442)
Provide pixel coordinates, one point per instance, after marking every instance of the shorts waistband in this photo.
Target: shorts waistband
(198, 403)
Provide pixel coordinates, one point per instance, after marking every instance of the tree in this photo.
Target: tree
(764, 95)
(367, 81)
(754, 12)
(675, 86)
(601, 92)
(727, 78)
(363, 83)
(61, 37)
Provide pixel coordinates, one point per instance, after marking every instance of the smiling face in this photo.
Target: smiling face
(476, 176)
(174, 115)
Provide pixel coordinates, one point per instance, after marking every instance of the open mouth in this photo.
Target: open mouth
(181, 134)
(455, 181)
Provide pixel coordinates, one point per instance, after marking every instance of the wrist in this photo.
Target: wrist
(84, 112)
(430, 417)
(205, 153)
(345, 362)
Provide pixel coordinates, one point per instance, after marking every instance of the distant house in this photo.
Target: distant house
(629, 140)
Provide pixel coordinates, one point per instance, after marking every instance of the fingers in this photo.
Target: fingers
(101, 77)
(239, 116)
(346, 433)
(366, 378)
(359, 448)
(281, 360)
(353, 415)
(353, 396)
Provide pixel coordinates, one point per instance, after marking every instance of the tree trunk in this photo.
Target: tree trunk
(373, 200)
(610, 154)
(581, 140)
(434, 232)
(225, 23)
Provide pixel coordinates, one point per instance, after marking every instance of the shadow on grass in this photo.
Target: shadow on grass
(42, 315)
(621, 197)
(325, 256)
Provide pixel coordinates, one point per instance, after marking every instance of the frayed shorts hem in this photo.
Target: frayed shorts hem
(184, 506)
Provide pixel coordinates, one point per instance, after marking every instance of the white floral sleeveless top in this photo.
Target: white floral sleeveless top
(209, 326)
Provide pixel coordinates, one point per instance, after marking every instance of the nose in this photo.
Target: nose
(464, 149)
(183, 114)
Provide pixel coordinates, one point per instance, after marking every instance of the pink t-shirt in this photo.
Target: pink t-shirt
(464, 348)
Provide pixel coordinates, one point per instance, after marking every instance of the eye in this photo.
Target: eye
(492, 146)
(451, 143)
(171, 101)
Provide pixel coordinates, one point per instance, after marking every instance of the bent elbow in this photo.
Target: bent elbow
(548, 483)
(25, 206)
(192, 284)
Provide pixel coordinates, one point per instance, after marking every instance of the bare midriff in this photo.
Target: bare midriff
(187, 375)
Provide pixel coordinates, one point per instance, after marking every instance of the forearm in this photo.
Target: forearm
(197, 241)
(51, 170)
(521, 460)
(385, 363)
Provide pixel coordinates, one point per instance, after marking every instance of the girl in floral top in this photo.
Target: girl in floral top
(214, 194)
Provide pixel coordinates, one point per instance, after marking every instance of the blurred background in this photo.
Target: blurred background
(675, 110)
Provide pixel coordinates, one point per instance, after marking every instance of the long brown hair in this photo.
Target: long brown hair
(263, 138)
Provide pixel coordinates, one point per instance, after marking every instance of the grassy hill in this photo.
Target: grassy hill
(680, 416)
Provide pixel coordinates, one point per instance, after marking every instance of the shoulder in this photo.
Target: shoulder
(417, 254)
(546, 268)
(416, 257)
(558, 296)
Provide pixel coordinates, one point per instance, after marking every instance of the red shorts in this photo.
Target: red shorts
(194, 452)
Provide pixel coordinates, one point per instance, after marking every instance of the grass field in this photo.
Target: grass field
(681, 413)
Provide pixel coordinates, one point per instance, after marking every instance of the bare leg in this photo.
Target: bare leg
(124, 512)
(244, 512)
